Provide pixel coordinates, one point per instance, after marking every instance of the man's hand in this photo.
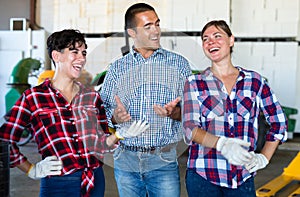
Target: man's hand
(167, 110)
(258, 161)
(234, 151)
(49, 166)
(135, 129)
(120, 114)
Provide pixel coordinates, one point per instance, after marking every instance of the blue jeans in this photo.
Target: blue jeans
(69, 185)
(153, 174)
(198, 186)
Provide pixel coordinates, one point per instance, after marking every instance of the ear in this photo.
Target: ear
(231, 40)
(131, 33)
(55, 55)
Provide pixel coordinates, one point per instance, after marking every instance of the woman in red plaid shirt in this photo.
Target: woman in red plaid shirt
(68, 123)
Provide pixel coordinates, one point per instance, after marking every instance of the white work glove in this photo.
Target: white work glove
(49, 166)
(135, 129)
(258, 161)
(234, 150)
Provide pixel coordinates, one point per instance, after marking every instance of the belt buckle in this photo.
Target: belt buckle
(146, 149)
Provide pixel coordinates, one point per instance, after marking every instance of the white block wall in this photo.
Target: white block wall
(101, 16)
(265, 18)
(258, 18)
(267, 59)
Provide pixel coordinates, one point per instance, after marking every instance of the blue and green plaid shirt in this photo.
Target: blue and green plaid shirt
(142, 82)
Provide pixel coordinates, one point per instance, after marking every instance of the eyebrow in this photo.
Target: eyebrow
(157, 21)
(218, 32)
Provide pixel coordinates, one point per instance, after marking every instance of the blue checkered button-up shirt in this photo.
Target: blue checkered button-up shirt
(142, 82)
(207, 105)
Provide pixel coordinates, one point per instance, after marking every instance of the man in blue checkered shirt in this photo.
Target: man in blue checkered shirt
(146, 85)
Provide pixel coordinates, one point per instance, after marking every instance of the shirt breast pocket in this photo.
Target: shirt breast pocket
(90, 117)
(245, 107)
(51, 121)
(212, 107)
(49, 117)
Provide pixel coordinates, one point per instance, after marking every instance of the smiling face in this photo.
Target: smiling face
(70, 61)
(217, 44)
(147, 32)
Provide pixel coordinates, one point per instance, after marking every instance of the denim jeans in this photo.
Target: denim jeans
(69, 185)
(198, 186)
(153, 174)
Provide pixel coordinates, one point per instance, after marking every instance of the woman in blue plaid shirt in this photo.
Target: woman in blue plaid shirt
(220, 120)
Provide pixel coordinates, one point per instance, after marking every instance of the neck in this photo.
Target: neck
(145, 52)
(223, 68)
(67, 89)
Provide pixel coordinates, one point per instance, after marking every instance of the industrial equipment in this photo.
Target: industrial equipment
(18, 84)
(290, 173)
(19, 80)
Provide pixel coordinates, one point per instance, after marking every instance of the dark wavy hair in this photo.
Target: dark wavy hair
(132, 11)
(66, 38)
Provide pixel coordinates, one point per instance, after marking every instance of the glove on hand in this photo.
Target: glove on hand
(49, 166)
(135, 129)
(258, 161)
(234, 151)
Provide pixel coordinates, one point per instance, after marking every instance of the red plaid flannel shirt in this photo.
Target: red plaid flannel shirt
(74, 132)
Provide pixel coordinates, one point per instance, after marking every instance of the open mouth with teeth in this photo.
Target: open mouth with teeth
(213, 50)
(77, 67)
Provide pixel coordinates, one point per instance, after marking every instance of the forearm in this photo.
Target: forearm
(111, 140)
(204, 138)
(25, 166)
(269, 149)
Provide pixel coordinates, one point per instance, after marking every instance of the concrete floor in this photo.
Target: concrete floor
(22, 186)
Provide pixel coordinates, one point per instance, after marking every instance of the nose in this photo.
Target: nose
(156, 29)
(210, 41)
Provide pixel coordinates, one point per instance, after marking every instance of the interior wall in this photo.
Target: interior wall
(13, 9)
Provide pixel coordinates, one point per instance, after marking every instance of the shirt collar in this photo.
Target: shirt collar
(47, 84)
(156, 52)
(243, 73)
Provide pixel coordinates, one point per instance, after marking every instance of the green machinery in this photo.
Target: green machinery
(19, 80)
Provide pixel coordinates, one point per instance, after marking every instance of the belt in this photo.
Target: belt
(142, 149)
(146, 149)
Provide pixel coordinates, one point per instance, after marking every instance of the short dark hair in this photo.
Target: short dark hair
(66, 38)
(219, 24)
(132, 11)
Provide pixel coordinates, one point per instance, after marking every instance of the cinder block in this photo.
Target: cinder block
(285, 15)
(272, 29)
(263, 49)
(264, 15)
(289, 29)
